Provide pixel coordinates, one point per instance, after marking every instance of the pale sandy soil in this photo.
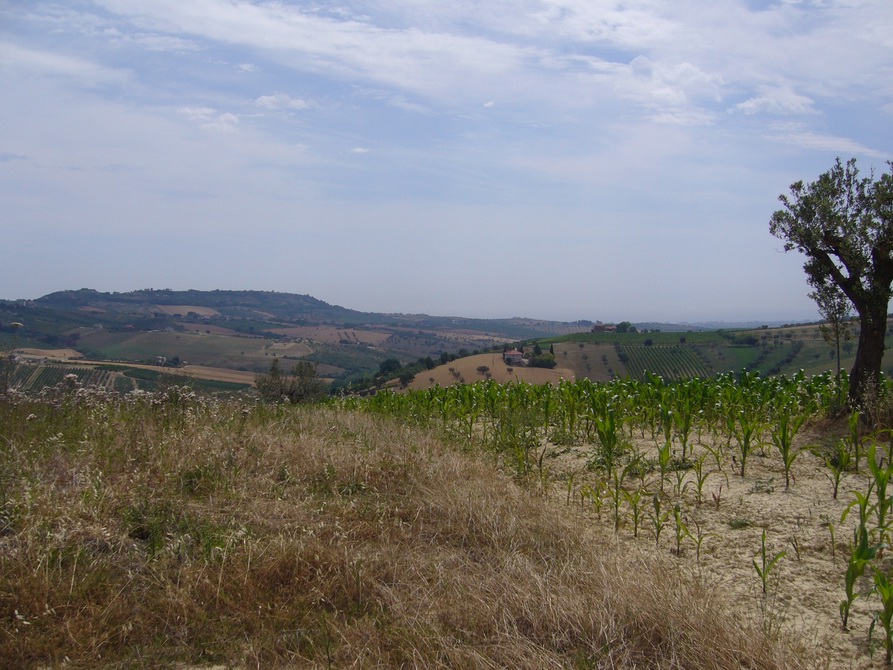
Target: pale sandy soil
(806, 586)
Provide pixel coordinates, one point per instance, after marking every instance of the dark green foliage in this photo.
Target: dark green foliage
(299, 385)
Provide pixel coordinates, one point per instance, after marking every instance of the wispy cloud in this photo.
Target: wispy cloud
(798, 136)
(281, 101)
(211, 119)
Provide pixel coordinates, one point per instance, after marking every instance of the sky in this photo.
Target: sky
(554, 159)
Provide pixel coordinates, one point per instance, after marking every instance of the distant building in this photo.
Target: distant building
(513, 357)
(604, 328)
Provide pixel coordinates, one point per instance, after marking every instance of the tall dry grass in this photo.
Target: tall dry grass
(176, 531)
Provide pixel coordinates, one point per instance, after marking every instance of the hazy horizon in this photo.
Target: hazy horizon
(558, 159)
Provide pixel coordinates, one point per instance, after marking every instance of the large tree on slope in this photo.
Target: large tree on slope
(843, 224)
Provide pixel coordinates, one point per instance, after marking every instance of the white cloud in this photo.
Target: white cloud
(400, 102)
(47, 63)
(782, 101)
(281, 101)
(210, 119)
(798, 136)
(360, 150)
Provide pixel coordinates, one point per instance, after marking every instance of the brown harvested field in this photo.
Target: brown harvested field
(333, 335)
(467, 369)
(183, 310)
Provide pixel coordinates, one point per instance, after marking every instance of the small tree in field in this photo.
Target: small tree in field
(299, 385)
(843, 224)
(835, 308)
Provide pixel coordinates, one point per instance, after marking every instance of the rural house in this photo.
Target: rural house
(513, 357)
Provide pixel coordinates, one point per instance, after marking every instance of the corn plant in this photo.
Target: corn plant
(680, 527)
(610, 446)
(664, 458)
(766, 564)
(861, 554)
(884, 590)
(699, 538)
(616, 491)
(880, 474)
(634, 500)
(746, 427)
(783, 430)
(854, 423)
(659, 518)
(837, 462)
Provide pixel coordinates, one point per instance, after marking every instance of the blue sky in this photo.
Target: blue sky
(559, 159)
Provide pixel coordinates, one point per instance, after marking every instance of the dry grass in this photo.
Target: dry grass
(148, 534)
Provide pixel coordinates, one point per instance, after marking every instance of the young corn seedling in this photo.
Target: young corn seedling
(783, 431)
(837, 462)
(861, 555)
(664, 458)
(679, 473)
(766, 564)
(634, 500)
(701, 475)
(616, 491)
(880, 474)
(681, 529)
(659, 518)
(698, 538)
(746, 428)
(717, 496)
(854, 422)
(884, 590)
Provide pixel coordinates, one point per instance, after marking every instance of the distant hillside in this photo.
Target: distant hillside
(242, 331)
(245, 330)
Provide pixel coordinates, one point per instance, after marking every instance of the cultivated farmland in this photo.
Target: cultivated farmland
(746, 482)
(169, 530)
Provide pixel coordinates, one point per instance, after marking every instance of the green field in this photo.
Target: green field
(674, 355)
(237, 353)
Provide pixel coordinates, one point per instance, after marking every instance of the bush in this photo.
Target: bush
(299, 385)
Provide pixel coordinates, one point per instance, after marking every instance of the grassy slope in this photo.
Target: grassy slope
(261, 537)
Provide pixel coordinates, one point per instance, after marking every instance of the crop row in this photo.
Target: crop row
(670, 362)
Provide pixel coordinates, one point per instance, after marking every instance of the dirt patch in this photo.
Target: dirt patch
(804, 588)
(466, 370)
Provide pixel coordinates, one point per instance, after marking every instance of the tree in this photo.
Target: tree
(843, 224)
(835, 308)
(299, 385)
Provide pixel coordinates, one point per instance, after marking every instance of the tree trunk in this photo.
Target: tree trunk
(866, 373)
